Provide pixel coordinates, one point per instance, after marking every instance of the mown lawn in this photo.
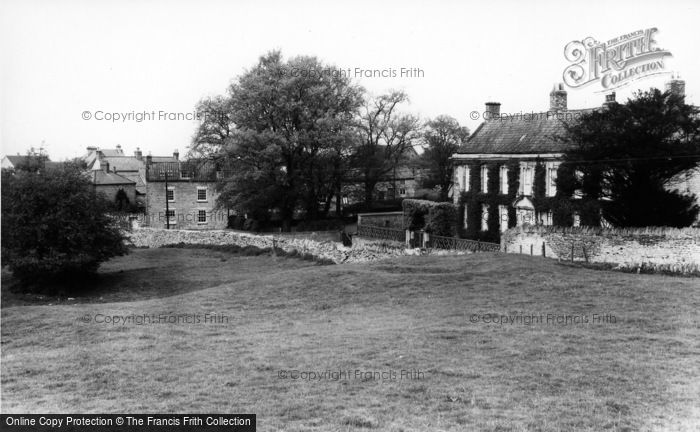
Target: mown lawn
(640, 372)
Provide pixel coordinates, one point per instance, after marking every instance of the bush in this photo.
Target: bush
(433, 217)
(320, 225)
(251, 225)
(442, 220)
(55, 228)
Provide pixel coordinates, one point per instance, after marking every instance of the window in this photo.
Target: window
(462, 178)
(551, 179)
(578, 193)
(170, 194)
(402, 191)
(201, 194)
(484, 217)
(466, 216)
(503, 217)
(503, 179)
(544, 218)
(577, 220)
(170, 214)
(484, 179)
(527, 175)
(201, 216)
(184, 174)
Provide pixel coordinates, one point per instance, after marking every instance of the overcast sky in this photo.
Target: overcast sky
(62, 58)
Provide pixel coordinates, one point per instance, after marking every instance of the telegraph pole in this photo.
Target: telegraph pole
(167, 207)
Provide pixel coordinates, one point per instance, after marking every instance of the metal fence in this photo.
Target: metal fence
(433, 241)
(394, 234)
(440, 242)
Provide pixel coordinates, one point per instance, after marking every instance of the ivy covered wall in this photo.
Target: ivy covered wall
(562, 205)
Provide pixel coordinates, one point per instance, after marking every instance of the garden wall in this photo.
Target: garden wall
(627, 247)
(362, 251)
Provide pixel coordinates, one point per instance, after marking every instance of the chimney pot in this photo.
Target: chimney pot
(676, 86)
(492, 110)
(176, 154)
(138, 154)
(557, 98)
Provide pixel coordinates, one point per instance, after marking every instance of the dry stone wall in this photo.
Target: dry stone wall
(625, 247)
(362, 251)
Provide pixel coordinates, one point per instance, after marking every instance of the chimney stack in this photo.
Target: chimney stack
(176, 154)
(105, 166)
(609, 100)
(149, 159)
(138, 154)
(91, 149)
(557, 98)
(676, 86)
(492, 110)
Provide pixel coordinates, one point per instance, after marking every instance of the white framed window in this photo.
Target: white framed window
(503, 179)
(465, 179)
(185, 174)
(503, 217)
(171, 216)
(201, 194)
(577, 220)
(462, 178)
(551, 178)
(402, 191)
(527, 178)
(484, 179)
(578, 193)
(466, 217)
(484, 217)
(544, 218)
(201, 216)
(170, 194)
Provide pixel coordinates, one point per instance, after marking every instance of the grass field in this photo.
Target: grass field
(424, 315)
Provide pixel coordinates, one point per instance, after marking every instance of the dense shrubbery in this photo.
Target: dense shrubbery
(435, 218)
(54, 227)
(442, 220)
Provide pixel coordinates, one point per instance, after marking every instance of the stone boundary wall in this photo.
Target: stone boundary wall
(632, 247)
(362, 251)
(384, 220)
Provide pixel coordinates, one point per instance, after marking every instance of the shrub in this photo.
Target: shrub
(251, 225)
(442, 220)
(436, 218)
(415, 212)
(55, 228)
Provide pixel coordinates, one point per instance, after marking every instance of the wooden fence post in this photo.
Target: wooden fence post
(531, 249)
(572, 251)
(544, 252)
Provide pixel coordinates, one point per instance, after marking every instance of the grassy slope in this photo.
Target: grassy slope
(413, 312)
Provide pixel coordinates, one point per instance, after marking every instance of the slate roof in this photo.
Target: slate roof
(123, 163)
(528, 133)
(101, 178)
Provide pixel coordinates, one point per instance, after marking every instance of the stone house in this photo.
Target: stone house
(183, 195)
(506, 173)
(117, 188)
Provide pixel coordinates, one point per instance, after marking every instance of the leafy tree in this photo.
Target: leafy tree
(630, 156)
(214, 128)
(291, 138)
(385, 139)
(54, 226)
(442, 137)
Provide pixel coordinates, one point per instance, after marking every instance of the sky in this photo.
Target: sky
(66, 66)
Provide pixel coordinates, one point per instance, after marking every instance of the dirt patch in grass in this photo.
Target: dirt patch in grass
(294, 339)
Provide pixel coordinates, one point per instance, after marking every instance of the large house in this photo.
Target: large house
(183, 195)
(506, 173)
